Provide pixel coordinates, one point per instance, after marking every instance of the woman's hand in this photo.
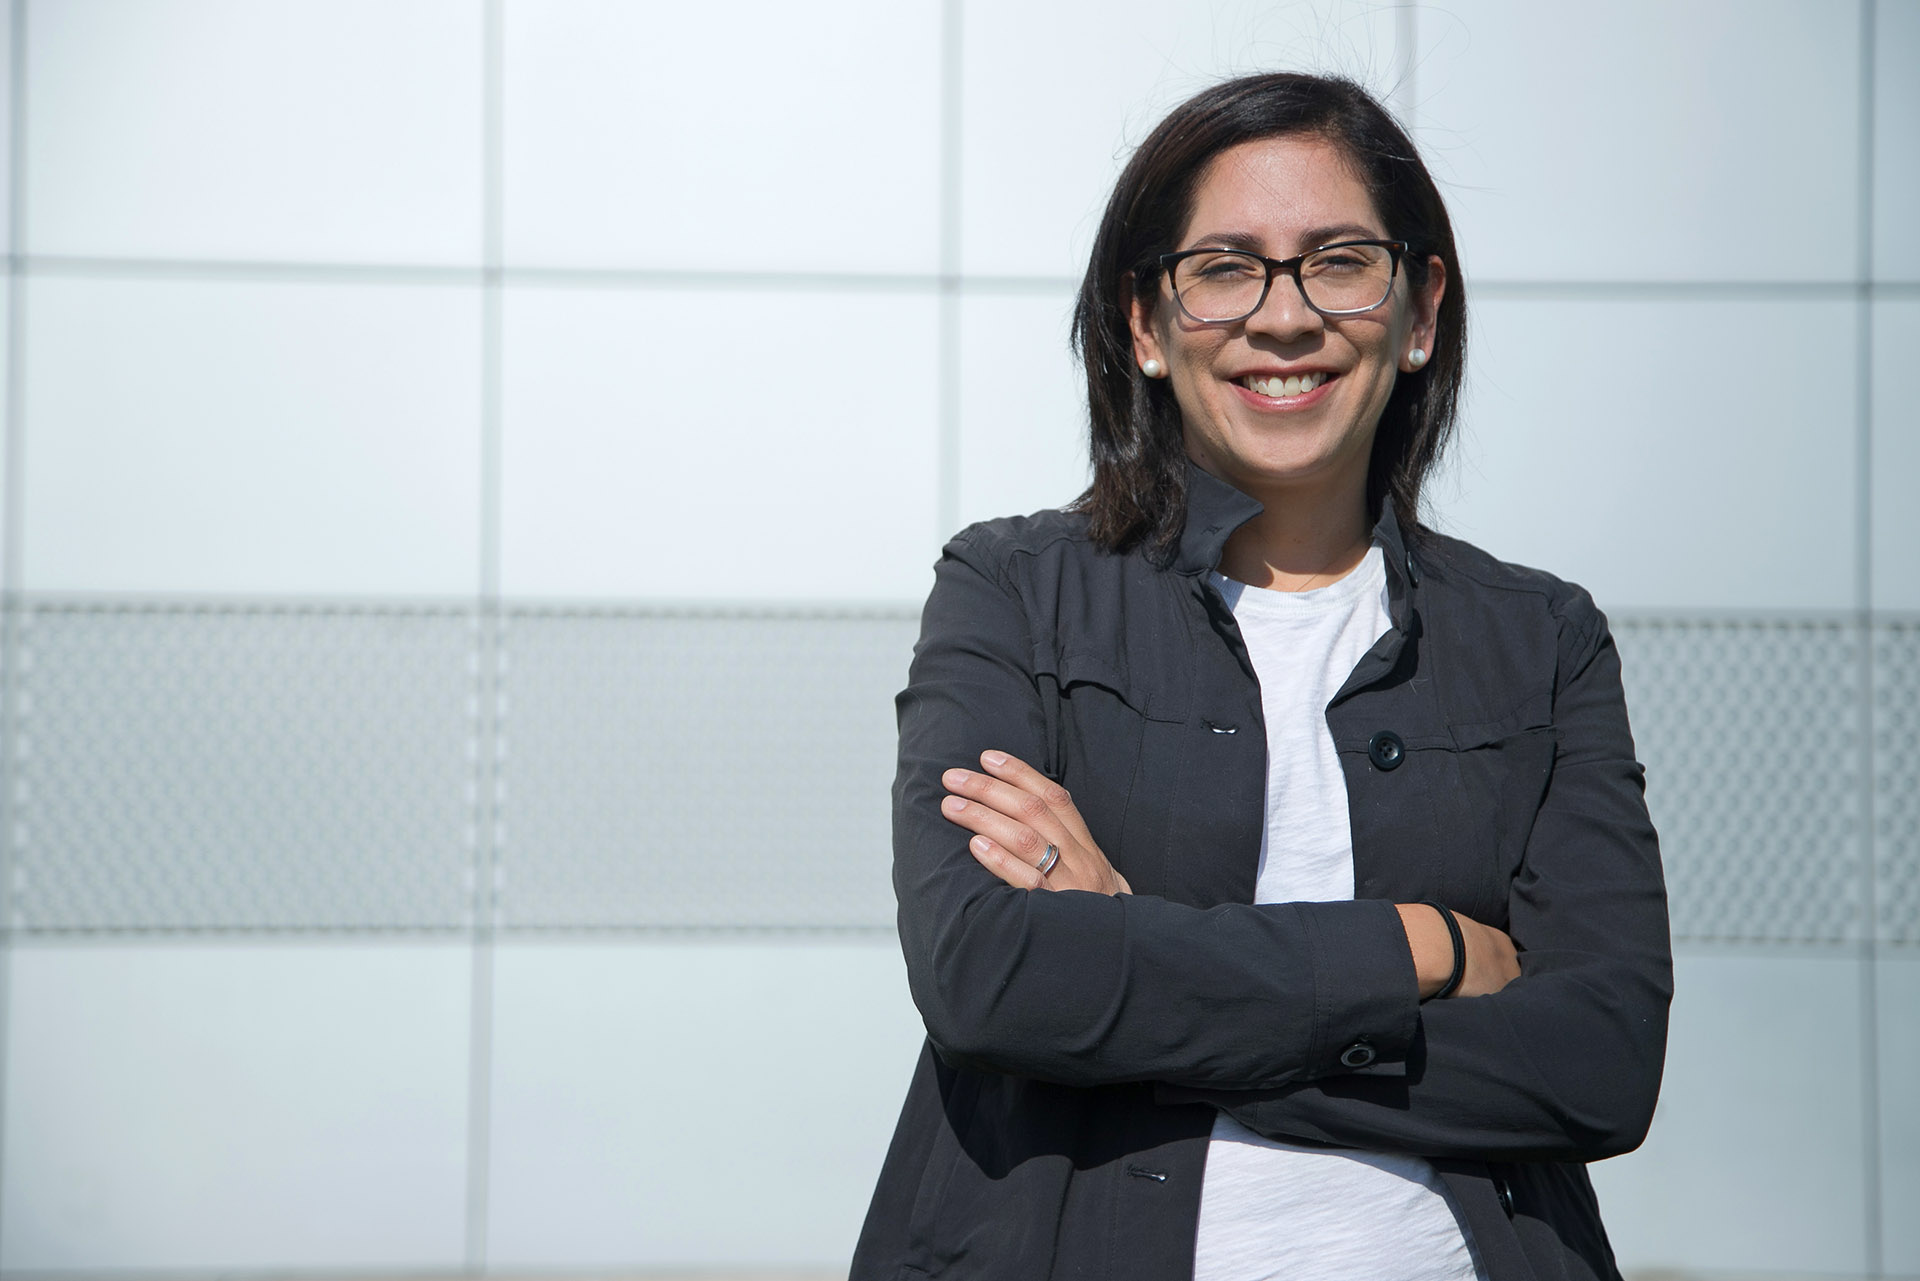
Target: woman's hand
(1015, 813)
(1492, 962)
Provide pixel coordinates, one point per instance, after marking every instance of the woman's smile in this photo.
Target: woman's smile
(1277, 392)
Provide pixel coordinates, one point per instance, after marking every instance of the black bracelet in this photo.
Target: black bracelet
(1459, 951)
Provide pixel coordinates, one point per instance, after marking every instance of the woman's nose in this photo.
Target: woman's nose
(1284, 312)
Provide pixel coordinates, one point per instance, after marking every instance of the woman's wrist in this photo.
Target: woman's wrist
(1459, 944)
(1432, 947)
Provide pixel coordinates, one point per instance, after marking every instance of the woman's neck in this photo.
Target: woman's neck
(1300, 541)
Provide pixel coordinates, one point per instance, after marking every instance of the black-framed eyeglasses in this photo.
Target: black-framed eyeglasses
(1218, 286)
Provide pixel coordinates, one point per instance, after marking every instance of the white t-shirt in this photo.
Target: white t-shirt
(1274, 1210)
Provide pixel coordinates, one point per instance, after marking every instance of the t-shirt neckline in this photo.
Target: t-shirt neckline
(1370, 573)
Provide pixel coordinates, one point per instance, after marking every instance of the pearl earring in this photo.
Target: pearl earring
(1151, 368)
(1417, 357)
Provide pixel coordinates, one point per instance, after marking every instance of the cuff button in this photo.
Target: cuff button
(1386, 750)
(1357, 1055)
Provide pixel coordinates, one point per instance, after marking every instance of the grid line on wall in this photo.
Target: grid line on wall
(488, 657)
(1871, 1209)
(946, 512)
(964, 283)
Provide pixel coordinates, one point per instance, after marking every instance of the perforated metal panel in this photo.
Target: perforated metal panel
(1750, 732)
(699, 770)
(243, 767)
(267, 767)
(1896, 769)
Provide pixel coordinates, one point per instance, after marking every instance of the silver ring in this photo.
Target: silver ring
(1048, 859)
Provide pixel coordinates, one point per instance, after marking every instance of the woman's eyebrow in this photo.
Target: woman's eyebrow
(1343, 231)
(1309, 240)
(1232, 240)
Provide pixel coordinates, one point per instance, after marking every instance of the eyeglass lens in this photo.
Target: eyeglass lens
(1228, 285)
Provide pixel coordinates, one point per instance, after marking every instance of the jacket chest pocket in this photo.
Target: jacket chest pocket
(1442, 808)
(1097, 723)
(1494, 785)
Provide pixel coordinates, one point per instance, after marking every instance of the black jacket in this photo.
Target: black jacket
(1078, 1044)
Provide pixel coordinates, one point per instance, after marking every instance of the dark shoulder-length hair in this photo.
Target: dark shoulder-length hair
(1139, 493)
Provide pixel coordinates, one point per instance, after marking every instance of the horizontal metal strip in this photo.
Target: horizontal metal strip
(68, 266)
(427, 934)
(86, 603)
(1892, 949)
(443, 607)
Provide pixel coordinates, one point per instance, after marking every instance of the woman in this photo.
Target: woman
(1274, 875)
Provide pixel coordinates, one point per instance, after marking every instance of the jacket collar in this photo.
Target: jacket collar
(1215, 509)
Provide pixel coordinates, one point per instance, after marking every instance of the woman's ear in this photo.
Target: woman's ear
(1426, 314)
(1146, 343)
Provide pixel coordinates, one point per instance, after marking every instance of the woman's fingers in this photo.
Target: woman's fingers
(1001, 862)
(1019, 816)
(1024, 794)
(1001, 828)
(1024, 777)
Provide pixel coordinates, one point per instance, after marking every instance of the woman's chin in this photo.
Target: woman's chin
(1268, 460)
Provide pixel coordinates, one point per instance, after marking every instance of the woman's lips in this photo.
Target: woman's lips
(1289, 391)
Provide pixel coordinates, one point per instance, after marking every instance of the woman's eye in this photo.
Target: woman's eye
(1226, 268)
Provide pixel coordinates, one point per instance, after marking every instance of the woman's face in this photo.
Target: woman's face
(1280, 197)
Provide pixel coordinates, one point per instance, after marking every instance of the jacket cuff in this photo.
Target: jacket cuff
(1366, 993)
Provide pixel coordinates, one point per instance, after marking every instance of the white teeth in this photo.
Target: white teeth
(1292, 385)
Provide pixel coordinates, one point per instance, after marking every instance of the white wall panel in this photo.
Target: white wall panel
(1896, 139)
(1023, 416)
(332, 130)
(7, 285)
(754, 135)
(1755, 1161)
(1896, 456)
(236, 1106)
(220, 436)
(1898, 989)
(720, 444)
(1641, 449)
(1642, 140)
(1056, 96)
(6, 221)
(698, 1104)
(6, 123)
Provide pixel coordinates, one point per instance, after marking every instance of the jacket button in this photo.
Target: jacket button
(1357, 1055)
(1386, 750)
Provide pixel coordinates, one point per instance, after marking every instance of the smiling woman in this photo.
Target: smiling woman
(1275, 880)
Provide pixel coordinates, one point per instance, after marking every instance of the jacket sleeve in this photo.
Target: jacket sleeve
(1089, 989)
(1564, 1063)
